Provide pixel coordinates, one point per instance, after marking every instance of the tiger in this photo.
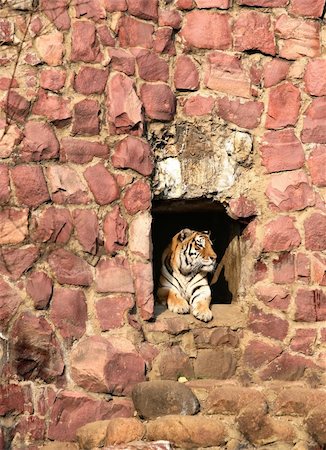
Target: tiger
(183, 283)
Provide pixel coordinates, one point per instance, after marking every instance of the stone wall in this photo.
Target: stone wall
(227, 99)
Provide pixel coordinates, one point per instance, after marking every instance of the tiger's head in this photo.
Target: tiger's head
(192, 252)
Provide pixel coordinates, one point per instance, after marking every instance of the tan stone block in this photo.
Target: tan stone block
(121, 430)
(92, 434)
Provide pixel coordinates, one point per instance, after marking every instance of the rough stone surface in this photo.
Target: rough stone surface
(39, 287)
(30, 185)
(133, 153)
(267, 324)
(87, 229)
(263, 37)
(102, 184)
(224, 73)
(115, 230)
(86, 119)
(39, 143)
(9, 302)
(112, 311)
(116, 369)
(281, 150)
(52, 225)
(281, 234)
(151, 67)
(134, 33)
(82, 151)
(69, 268)
(36, 351)
(243, 114)
(85, 46)
(71, 410)
(186, 76)
(159, 101)
(315, 77)
(315, 232)
(187, 431)
(207, 30)
(283, 106)
(114, 275)
(13, 225)
(162, 397)
(68, 312)
(14, 262)
(314, 129)
(137, 197)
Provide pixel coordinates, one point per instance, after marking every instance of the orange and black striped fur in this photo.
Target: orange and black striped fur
(183, 282)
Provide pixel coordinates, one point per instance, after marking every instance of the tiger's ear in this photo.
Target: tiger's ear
(208, 233)
(183, 234)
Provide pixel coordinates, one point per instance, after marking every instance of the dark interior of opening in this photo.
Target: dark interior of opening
(171, 216)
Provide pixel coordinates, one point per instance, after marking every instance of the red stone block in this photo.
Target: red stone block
(36, 352)
(122, 60)
(286, 367)
(159, 101)
(242, 207)
(57, 12)
(314, 125)
(112, 311)
(39, 143)
(303, 267)
(133, 153)
(15, 398)
(259, 272)
(169, 18)
(320, 301)
(92, 9)
(15, 261)
(185, 4)
(87, 229)
(84, 44)
(280, 235)
(281, 150)
(164, 41)
(81, 151)
(10, 136)
(243, 114)
(86, 119)
(307, 8)
(315, 77)
(9, 303)
(318, 269)
(31, 426)
(116, 5)
(39, 287)
(4, 184)
(276, 297)
(268, 325)
(186, 76)
(305, 304)
(290, 191)
(16, 107)
(114, 275)
(115, 231)
(297, 37)
(52, 79)
(6, 31)
(8, 83)
(283, 269)
(30, 185)
(144, 9)
(151, 67)
(259, 353)
(50, 48)
(118, 366)
(224, 73)
(317, 164)
(205, 29)
(53, 107)
(72, 410)
(69, 268)
(144, 286)
(13, 225)
(124, 109)
(315, 232)
(134, 33)
(275, 71)
(66, 186)
(68, 312)
(105, 36)
(222, 4)
(253, 31)
(102, 184)
(90, 80)
(198, 105)
(283, 106)
(141, 226)
(264, 3)
(137, 197)
(303, 341)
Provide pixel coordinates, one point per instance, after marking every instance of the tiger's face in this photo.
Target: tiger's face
(194, 252)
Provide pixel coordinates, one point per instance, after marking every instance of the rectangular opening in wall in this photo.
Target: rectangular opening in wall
(171, 216)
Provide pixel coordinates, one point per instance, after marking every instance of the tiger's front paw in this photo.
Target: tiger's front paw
(178, 305)
(202, 313)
